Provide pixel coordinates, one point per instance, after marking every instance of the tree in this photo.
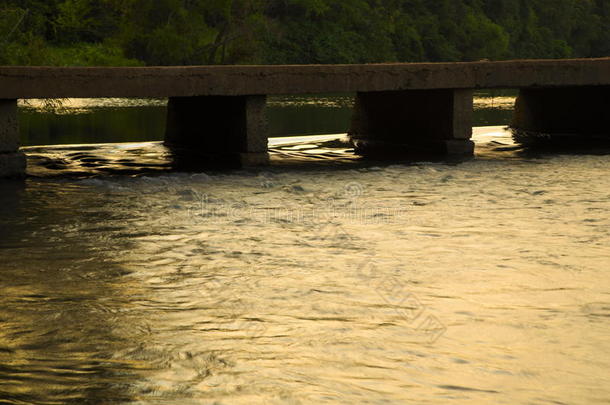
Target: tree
(173, 32)
(187, 32)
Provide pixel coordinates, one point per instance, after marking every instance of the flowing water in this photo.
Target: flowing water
(320, 279)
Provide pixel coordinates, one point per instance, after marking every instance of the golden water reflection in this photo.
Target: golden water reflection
(479, 282)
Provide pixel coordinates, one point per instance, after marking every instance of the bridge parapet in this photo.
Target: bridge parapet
(191, 81)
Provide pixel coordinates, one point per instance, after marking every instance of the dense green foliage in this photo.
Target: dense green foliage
(176, 32)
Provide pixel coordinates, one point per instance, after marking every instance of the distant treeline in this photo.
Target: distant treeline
(193, 32)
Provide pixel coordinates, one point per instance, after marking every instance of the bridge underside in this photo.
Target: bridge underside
(230, 131)
(218, 131)
(563, 115)
(413, 123)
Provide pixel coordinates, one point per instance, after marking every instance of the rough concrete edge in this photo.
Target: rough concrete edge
(12, 165)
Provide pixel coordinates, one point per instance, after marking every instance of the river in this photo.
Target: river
(322, 279)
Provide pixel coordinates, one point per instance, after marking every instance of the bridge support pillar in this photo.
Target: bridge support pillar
(413, 123)
(12, 162)
(218, 131)
(562, 115)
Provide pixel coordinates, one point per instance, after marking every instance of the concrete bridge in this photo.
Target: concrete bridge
(427, 107)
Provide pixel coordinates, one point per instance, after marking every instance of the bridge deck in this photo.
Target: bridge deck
(59, 82)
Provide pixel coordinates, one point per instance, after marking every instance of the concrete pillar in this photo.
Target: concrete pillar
(12, 162)
(562, 114)
(220, 130)
(413, 123)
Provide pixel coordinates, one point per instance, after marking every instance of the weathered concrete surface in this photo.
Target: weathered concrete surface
(12, 165)
(12, 162)
(58, 82)
(413, 122)
(569, 110)
(9, 126)
(229, 129)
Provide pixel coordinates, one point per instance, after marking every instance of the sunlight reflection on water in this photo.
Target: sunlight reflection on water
(320, 279)
(476, 282)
